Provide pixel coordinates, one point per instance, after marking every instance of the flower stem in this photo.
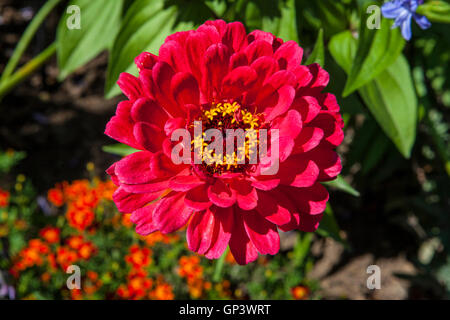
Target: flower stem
(23, 73)
(26, 38)
(301, 248)
(219, 266)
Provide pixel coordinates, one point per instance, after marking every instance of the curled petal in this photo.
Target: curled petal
(145, 60)
(246, 195)
(143, 218)
(197, 198)
(221, 195)
(200, 231)
(129, 85)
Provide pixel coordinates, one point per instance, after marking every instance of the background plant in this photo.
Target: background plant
(394, 95)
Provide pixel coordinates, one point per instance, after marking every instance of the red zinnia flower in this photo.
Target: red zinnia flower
(227, 79)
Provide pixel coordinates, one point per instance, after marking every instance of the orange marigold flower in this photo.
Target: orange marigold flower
(76, 294)
(65, 257)
(138, 287)
(75, 242)
(80, 217)
(56, 197)
(39, 245)
(51, 259)
(157, 236)
(50, 234)
(123, 292)
(190, 268)
(90, 199)
(106, 189)
(86, 250)
(31, 257)
(162, 291)
(4, 198)
(126, 222)
(138, 257)
(92, 275)
(76, 189)
(300, 292)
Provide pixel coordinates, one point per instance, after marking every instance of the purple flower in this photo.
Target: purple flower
(6, 290)
(402, 11)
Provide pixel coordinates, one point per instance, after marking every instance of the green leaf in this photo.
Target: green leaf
(301, 248)
(390, 97)
(435, 11)
(99, 22)
(392, 101)
(119, 149)
(318, 54)
(287, 29)
(332, 15)
(9, 159)
(144, 28)
(340, 184)
(146, 25)
(377, 49)
(278, 18)
(329, 228)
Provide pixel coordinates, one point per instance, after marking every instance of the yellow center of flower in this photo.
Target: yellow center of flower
(223, 116)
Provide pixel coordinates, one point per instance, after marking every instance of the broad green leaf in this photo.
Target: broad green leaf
(276, 17)
(318, 54)
(340, 184)
(435, 11)
(144, 28)
(99, 24)
(119, 149)
(342, 47)
(392, 101)
(332, 14)
(390, 97)
(377, 49)
(287, 29)
(217, 6)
